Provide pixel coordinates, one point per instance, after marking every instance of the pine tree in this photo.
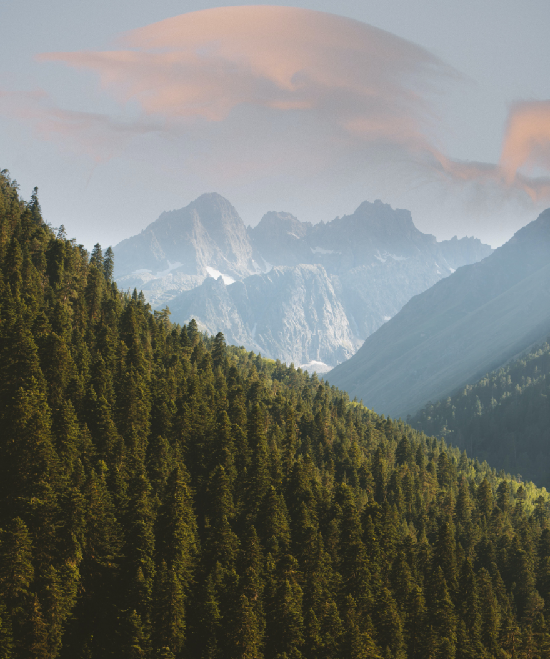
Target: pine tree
(485, 498)
(36, 634)
(95, 619)
(415, 624)
(169, 612)
(469, 611)
(221, 543)
(389, 625)
(30, 469)
(273, 522)
(176, 548)
(16, 579)
(138, 565)
(353, 559)
(6, 634)
(489, 612)
(444, 554)
(108, 264)
(218, 351)
(258, 473)
(442, 615)
(285, 621)
(246, 637)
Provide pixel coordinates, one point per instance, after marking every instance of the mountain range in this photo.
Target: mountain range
(464, 326)
(295, 291)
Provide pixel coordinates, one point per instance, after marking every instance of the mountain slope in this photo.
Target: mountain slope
(464, 326)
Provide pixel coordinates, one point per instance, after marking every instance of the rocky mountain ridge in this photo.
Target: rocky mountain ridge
(290, 289)
(208, 233)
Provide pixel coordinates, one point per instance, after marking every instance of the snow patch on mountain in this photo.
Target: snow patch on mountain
(216, 274)
(385, 256)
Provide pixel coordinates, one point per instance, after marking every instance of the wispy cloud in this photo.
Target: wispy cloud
(99, 136)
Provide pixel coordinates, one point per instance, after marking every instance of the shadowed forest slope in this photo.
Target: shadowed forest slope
(503, 418)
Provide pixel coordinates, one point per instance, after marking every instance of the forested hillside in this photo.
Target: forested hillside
(164, 495)
(504, 418)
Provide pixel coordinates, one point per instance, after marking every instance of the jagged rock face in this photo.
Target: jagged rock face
(208, 233)
(302, 292)
(466, 325)
(290, 313)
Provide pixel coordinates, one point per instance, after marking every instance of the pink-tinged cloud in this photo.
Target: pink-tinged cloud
(492, 178)
(527, 138)
(99, 136)
(208, 63)
(526, 144)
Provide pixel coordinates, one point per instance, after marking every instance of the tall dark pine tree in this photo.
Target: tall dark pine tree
(176, 557)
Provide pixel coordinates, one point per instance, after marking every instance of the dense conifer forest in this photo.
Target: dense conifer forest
(164, 495)
(504, 418)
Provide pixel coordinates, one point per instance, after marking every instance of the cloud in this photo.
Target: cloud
(206, 64)
(526, 145)
(527, 138)
(290, 97)
(99, 136)
(496, 182)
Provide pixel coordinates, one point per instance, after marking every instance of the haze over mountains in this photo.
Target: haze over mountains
(302, 293)
(463, 327)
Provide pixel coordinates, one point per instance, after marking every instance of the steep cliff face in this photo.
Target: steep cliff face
(295, 291)
(463, 327)
(290, 313)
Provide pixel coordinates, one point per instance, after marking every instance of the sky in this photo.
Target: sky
(118, 110)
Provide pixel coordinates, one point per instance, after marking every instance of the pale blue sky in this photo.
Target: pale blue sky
(501, 48)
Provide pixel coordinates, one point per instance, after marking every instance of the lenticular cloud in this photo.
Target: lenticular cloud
(206, 64)
(264, 92)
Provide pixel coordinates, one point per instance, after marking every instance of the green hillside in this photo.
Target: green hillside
(504, 418)
(163, 495)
